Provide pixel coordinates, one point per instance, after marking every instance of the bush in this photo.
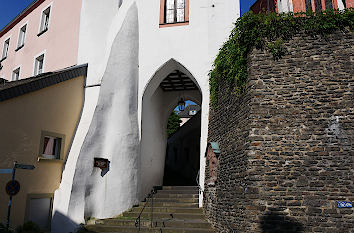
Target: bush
(173, 123)
(28, 227)
(3, 229)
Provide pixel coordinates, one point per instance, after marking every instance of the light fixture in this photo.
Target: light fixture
(181, 105)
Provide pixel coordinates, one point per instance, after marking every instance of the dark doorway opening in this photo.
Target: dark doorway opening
(183, 151)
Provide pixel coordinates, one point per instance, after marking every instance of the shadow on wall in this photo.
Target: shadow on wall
(273, 222)
(62, 222)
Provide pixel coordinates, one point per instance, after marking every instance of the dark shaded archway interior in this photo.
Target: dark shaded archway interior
(182, 154)
(183, 147)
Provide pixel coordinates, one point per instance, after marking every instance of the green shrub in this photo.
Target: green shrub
(173, 123)
(28, 227)
(3, 228)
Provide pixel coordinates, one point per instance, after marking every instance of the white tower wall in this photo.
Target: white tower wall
(128, 54)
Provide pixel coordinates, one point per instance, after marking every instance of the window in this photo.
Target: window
(308, 5)
(44, 21)
(174, 12)
(16, 74)
(52, 145)
(328, 4)
(21, 37)
(39, 209)
(5, 49)
(38, 65)
(318, 5)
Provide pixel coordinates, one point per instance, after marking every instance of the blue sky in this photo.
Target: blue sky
(188, 102)
(245, 5)
(9, 9)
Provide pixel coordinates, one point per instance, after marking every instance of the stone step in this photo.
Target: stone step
(176, 210)
(177, 191)
(121, 229)
(176, 200)
(175, 195)
(180, 188)
(168, 210)
(158, 216)
(171, 204)
(160, 223)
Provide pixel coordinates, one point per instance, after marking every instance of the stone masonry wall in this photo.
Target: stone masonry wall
(287, 142)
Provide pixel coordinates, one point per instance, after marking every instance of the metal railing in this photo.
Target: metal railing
(197, 180)
(150, 197)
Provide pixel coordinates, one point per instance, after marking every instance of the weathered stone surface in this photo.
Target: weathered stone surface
(287, 142)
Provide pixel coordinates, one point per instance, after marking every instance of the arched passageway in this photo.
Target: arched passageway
(183, 149)
(171, 83)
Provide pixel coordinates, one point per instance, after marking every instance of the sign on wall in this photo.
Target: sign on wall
(100, 163)
(345, 204)
(12, 187)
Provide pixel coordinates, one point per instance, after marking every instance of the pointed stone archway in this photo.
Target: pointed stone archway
(168, 85)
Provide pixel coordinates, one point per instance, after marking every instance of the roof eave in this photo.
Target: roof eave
(43, 82)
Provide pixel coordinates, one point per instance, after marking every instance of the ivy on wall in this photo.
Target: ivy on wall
(269, 31)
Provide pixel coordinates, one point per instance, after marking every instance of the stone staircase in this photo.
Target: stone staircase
(175, 210)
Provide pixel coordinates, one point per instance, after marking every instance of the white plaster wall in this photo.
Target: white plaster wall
(111, 132)
(340, 4)
(95, 24)
(285, 6)
(96, 21)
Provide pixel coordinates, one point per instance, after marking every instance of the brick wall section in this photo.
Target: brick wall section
(229, 125)
(290, 139)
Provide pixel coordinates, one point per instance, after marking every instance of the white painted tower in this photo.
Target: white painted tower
(131, 46)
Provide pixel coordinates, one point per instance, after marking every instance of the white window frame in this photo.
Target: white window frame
(35, 71)
(19, 73)
(40, 29)
(24, 37)
(60, 156)
(3, 48)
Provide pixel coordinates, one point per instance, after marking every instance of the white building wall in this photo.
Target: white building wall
(192, 47)
(285, 6)
(195, 46)
(340, 4)
(107, 129)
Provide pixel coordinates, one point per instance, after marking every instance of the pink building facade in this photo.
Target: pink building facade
(42, 38)
(299, 5)
(315, 5)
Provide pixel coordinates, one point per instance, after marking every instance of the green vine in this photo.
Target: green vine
(268, 31)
